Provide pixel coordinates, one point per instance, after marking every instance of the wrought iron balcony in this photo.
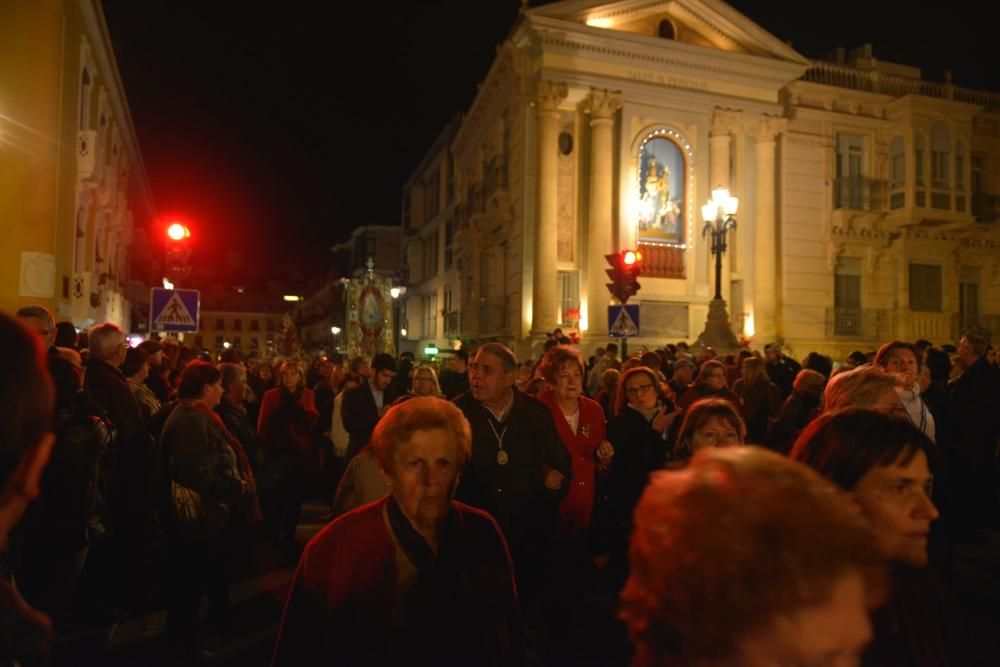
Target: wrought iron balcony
(857, 323)
(493, 316)
(453, 324)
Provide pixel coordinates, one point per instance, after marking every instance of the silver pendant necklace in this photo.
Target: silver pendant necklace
(502, 457)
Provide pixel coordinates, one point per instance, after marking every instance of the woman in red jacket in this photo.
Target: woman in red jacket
(285, 425)
(580, 424)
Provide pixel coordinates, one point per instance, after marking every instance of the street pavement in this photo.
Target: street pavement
(257, 602)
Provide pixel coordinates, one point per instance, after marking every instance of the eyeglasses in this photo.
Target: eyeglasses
(638, 389)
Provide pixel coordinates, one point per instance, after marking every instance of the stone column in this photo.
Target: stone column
(765, 284)
(601, 105)
(545, 281)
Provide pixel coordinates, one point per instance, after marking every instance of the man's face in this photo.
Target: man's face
(488, 381)
(966, 353)
(337, 374)
(682, 375)
(156, 359)
(383, 378)
(773, 353)
(324, 371)
(41, 326)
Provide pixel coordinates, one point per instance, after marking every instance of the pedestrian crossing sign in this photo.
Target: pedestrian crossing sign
(623, 321)
(174, 310)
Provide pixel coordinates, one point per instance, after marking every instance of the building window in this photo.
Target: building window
(198, 342)
(254, 325)
(897, 150)
(430, 315)
(960, 166)
(569, 298)
(565, 143)
(666, 30)
(237, 325)
(919, 159)
(220, 324)
(254, 343)
(968, 298)
(449, 233)
(850, 191)
(218, 342)
(925, 288)
(431, 255)
(271, 325)
(847, 297)
(940, 145)
(237, 342)
(432, 193)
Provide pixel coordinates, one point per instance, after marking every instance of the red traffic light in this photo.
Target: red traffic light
(626, 267)
(178, 232)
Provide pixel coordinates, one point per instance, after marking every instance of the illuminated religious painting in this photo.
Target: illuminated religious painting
(662, 173)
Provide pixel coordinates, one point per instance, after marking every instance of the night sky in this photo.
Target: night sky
(278, 128)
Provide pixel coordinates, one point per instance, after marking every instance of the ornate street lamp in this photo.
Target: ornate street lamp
(719, 214)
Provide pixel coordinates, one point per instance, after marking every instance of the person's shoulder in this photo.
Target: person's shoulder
(464, 401)
(590, 407)
(349, 530)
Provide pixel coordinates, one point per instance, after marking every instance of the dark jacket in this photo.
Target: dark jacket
(515, 493)
(234, 416)
(639, 450)
(198, 454)
(920, 626)
(361, 414)
(975, 397)
(133, 457)
(782, 373)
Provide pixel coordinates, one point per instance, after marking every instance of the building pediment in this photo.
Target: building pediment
(705, 23)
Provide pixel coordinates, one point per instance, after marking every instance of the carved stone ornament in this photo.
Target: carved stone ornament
(726, 121)
(603, 104)
(768, 127)
(550, 95)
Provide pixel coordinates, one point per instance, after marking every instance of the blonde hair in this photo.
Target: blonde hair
(860, 387)
(426, 368)
(421, 413)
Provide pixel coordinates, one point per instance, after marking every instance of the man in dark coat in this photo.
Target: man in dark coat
(455, 380)
(975, 399)
(130, 464)
(519, 470)
(364, 405)
(781, 369)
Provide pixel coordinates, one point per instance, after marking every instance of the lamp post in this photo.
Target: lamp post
(719, 214)
(396, 292)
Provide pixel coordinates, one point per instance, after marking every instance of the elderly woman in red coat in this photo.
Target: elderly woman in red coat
(414, 578)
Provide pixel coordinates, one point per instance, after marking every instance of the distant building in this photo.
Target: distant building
(868, 195)
(72, 183)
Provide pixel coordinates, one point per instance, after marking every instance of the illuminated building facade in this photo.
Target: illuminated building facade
(867, 194)
(72, 182)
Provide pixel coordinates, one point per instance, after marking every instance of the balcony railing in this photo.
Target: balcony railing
(662, 261)
(453, 324)
(859, 194)
(843, 76)
(987, 326)
(493, 316)
(857, 323)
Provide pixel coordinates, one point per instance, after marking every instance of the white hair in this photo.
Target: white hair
(104, 339)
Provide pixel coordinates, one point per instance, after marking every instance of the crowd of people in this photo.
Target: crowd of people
(670, 508)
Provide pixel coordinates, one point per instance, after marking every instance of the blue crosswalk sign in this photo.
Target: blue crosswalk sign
(623, 321)
(174, 310)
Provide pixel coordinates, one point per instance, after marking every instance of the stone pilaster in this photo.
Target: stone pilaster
(601, 105)
(544, 301)
(765, 290)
